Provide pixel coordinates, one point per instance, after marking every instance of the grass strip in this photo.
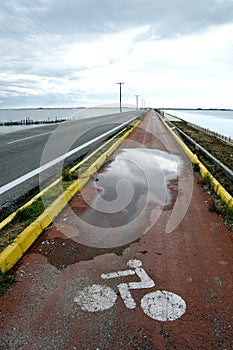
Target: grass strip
(7, 280)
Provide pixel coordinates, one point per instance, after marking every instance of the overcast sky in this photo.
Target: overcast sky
(172, 53)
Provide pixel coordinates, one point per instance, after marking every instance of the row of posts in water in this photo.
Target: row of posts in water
(28, 121)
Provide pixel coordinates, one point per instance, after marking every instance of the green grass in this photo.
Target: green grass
(29, 214)
(218, 205)
(207, 181)
(7, 280)
(68, 176)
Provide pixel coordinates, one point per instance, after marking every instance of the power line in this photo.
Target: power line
(58, 23)
(24, 35)
(43, 24)
(30, 35)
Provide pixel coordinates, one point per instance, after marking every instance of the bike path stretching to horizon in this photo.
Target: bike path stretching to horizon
(135, 261)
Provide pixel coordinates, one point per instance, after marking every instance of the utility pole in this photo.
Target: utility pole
(142, 102)
(136, 101)
(120, 96)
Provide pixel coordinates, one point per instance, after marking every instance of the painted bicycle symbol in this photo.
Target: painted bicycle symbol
(160, 305)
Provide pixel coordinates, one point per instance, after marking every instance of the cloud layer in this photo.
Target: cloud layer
(71, 53)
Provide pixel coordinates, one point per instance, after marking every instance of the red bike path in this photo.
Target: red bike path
(163, 220)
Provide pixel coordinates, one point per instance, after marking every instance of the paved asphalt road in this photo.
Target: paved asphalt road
(24, 151)
(82, 286)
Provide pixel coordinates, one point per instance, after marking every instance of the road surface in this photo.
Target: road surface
(24, 151)
(136, 261)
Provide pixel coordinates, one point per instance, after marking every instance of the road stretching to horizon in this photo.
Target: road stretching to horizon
(25, 151)
(135, 261)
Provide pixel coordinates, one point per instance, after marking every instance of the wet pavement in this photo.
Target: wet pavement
(136, 261)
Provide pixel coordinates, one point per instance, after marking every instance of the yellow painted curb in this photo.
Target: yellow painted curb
(28, 236)
(13, 252)
(217, 187)
(10, 255)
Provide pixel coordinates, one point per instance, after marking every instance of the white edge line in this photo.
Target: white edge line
(53, 162)
(29, 137)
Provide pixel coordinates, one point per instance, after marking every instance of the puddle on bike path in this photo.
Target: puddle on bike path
(118, 206)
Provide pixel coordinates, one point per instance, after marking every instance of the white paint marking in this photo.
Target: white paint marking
(117, 274)
(124, 288)
(48, 165)
(159, 305)
(146, 281)
(96, 298)
(163, 305)
(29, 137)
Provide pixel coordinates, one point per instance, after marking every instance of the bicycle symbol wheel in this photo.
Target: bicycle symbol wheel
(163, 305)
(96, 298)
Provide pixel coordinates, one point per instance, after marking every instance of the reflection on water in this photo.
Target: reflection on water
(133, 180)
(127, 197)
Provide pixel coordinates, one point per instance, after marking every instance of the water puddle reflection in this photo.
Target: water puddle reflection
(134, 178)
(127, 196)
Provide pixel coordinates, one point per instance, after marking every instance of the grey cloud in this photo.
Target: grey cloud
(34, 34)
(48, 25)
(70, 20)
(168, 18)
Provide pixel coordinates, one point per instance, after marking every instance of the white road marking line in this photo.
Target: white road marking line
(117, 274)
(53, 162)
(29, 137)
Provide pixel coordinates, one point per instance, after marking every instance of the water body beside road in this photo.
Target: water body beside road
(46, 114)
(215, 120)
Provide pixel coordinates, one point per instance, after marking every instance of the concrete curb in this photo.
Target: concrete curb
(217, 187)
(14, 251)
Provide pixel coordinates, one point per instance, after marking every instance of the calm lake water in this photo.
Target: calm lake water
(50, 114)
(219, 121)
